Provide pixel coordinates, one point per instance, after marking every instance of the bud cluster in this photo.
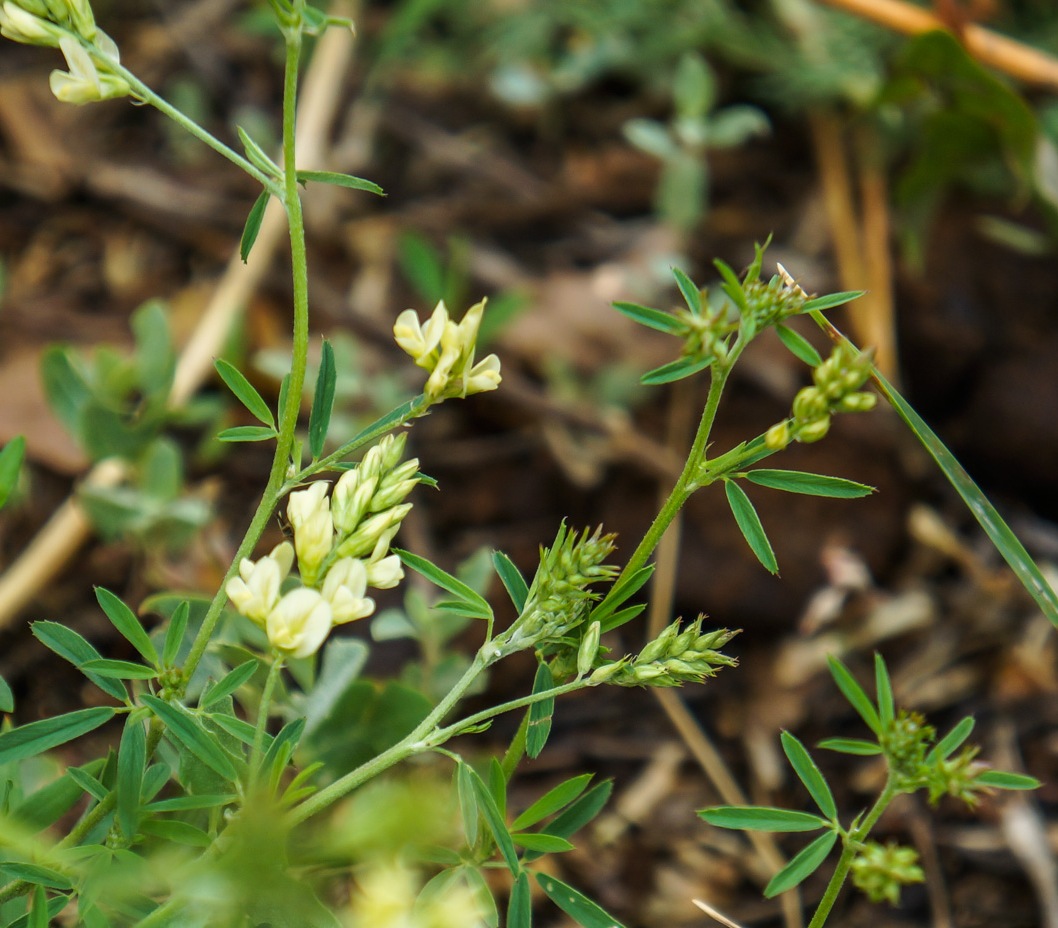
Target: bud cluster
(559, 597)
(68, 25)
(879, 870)
(836, 388)
(673, 658)
(772, 301)
(446, 349)
(707, 335)
(342, 545)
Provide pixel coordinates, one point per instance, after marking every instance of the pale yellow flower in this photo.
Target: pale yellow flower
(255, 591)
(344, 588)
(84, 83)
(303, 504)
(299, 623)
(419, 340)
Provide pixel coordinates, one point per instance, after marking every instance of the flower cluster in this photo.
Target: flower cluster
(446, 348)
(69, 26)
(673, 658)
(342, 545)
(879, 870)
(836, 388)
(559, 597)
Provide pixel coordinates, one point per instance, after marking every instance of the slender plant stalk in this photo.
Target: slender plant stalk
(848, 853)
(289, 414)
(263, 713)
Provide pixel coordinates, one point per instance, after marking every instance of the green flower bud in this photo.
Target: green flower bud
(589, 647)
(880, 870)
(857, 402)
(778, 436)
(809, 404)
(813, 431)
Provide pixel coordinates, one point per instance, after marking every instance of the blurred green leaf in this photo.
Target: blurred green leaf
(155, 357)
(821, 303)
(70, 646)
(187, 730)
(253, 224)
(10, 464)
(174, 633)
(323, 401)
(652, 318)
(808, 773)
(245, 392)
(232, 680)
(802, 866)
(132, 758)
(511, 578)
(127, 623)
(761, 818)
(494, 819)
(552, 801)
(749, 524)
(575, 904)
(799, 346)
(851, 746)
(854, 693)
(541, 842)
(675, 370)
(692, 296)
(520, 905)
(795, 481)
(1001, 779)
(35, 873)
(884, 691)
(951, 741)
(247, 433)
(37, 737)
(340, 180)
(540, 713)
(7, 698)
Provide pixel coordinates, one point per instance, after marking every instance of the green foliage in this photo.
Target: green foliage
(915, 759)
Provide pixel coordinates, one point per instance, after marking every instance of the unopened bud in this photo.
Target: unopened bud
(813, 431)
(589, 647)
(857, 402)
(778, 436)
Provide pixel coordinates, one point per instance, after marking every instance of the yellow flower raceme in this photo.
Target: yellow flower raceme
(344, 588)
(446, 349)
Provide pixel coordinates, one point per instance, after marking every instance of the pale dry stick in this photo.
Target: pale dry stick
(879, 314)
(990, 48)
(663, 584)
(68, 528)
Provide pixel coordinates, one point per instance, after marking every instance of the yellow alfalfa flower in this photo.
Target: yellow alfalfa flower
(299, 623)
(84, 82)
(255, 592)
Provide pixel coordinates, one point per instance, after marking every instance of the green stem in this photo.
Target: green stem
(852, 842)
(263, 711)
(289, 414)
(149, 96)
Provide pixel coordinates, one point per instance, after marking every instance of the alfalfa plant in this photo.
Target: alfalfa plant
(205, 812)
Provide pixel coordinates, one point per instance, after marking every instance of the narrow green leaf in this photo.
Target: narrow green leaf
(494, 819)
(799, 346)
(444, 580)
(854, 693)
(732, 286)
(119, 670)
(35, 873)
(623, 616)
(512, 579)
(228, 684)
(808, 773)
(619, 593)
(1002, 779)
(581, 812)
(675, 370)
(483, 895)
(177, 832)
(692, 296)
(652, 318)
(187, 730)
(127, 623)
(7, 698)
(132, 758)
(246, 433)
(37, 737)
(951, 741)
(38, 910)
(541, 842)
(468, 804)
(460, 607)
(258, 157)
(245, 392)
(155, 358)
(282, 749)
(540, 713)
(253, 224)
(88, 783)
(1006, 542)
(341, 180)
(10, 464)
(575, 904)
(54, 906)
(174, 634)
(883, 688)
(70, 646)
(749, 524)
(851, 746)
(803, 865)
(821, 303)
(323, 401)
(497, 784)
(760, 818)
(191, 803)
(237, 728)
(552, 801)
(520, 905)
(795, 481)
